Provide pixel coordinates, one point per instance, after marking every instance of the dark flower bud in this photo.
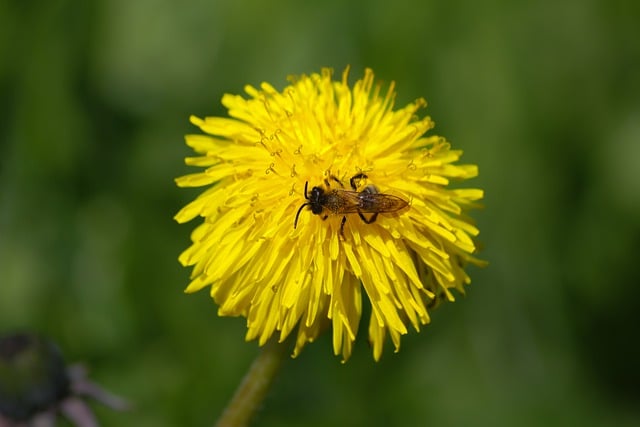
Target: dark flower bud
(33, 376)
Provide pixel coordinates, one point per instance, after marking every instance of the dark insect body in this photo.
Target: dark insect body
(342, 202)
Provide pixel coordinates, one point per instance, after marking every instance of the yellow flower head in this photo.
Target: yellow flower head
(318, 194)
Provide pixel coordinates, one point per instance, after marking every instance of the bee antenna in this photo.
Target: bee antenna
(305, 190)
(295, 223)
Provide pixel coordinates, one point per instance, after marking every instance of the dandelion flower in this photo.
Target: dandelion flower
(290, 157)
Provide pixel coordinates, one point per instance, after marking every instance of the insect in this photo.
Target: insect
(341, 202)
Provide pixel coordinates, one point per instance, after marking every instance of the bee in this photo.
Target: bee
(327, 201)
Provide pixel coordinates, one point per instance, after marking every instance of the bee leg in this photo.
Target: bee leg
(325, 217)
(344, 219)
(370, 220)
(353, 179)
(333, 178)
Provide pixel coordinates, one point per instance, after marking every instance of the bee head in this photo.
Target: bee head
(315, 200)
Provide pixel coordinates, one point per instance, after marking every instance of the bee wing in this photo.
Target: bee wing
(343, 202)
(380, 203)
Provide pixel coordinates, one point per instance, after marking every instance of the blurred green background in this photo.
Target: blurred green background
(544, 96)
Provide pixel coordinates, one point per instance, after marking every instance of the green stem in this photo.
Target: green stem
(254, 386)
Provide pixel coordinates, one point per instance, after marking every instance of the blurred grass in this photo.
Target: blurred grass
(544, 96)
